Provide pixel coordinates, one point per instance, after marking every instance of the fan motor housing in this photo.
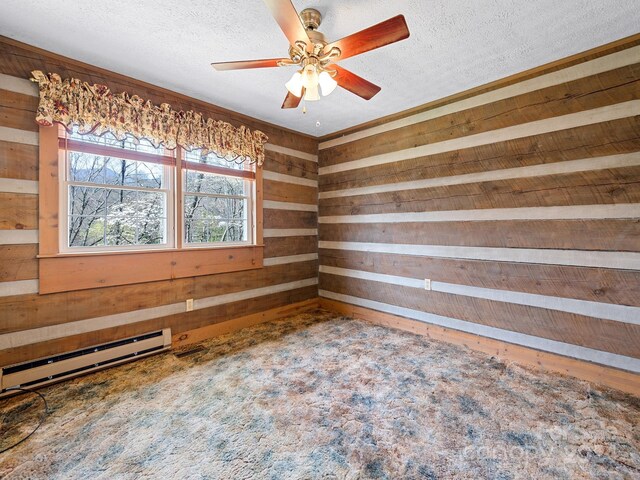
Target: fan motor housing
(311, 18)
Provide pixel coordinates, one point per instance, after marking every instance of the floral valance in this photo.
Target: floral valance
(95, 109)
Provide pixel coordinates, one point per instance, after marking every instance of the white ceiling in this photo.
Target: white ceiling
(454, 45)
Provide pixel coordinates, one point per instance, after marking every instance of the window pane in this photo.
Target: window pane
(108, 139)
(151, 230)
(201, 207)
(135, 231)
(215, 230)
(85, 167)
(87, 201)
(151, 204)
(121, 231)
(201, 182)
(212, 159)
(86, 231)
(119, 172)
(134, 203)
(121, 203)
(235, 208)
(116, 216)
(214, 207)
(122, 206)
(215, 219)
(150, 175)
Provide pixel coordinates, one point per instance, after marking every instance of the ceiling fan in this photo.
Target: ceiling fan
(316, 57)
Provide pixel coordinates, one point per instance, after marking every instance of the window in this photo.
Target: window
(116, 212)
(122, 195)
(217, 199)
(117, 194)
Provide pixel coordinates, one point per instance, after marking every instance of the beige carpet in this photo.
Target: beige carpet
(321, 396)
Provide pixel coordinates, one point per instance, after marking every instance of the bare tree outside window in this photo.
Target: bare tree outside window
(215, 206)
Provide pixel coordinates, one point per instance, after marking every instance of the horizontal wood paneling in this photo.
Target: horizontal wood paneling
(178, 323)
(595, 91)
(610, 162)
(571, 212)
(599, 334)
(287, 192)
(18, 262)
(52, 332)
(18, 160)
(281, 246)
(538, 127)
(600, 139)
(289, 165)
(18, 110)
(80, 272)
(621, 235)
(300, 207)
(584, 283)
(33, 311)
(19, 101)
(621, 185)
(18, 211)
(238, 281)
(619, 313)
(577, 258)
(223, 328)
(289, 219)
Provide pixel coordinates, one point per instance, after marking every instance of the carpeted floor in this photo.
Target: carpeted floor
(321, 396)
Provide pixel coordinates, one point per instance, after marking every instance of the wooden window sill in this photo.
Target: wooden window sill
(101, 253)
(84, 270)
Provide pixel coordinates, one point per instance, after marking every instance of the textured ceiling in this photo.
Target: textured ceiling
(454, 45)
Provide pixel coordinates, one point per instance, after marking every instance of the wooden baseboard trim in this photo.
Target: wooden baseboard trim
(609, 377)
(230, 326)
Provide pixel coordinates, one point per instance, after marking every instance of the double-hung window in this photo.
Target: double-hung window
(116, 194)
(218, 204)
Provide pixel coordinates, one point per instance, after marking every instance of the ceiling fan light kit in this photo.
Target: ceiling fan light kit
(316, 58)
(327, 83)
(295, 84)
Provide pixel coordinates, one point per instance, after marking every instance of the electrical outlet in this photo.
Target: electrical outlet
(427, 284)
(189, 304)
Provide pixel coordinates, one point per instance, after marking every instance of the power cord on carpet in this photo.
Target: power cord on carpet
(42, 417)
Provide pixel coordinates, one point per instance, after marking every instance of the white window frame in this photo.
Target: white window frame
(250, 188)
(168, 188)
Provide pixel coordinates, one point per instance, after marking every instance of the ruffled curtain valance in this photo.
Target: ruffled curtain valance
(95, 109)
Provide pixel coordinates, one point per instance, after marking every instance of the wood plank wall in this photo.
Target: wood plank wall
(33, 325)
(521, 205)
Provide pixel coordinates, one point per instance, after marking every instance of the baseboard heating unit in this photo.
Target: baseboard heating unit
(37, 373)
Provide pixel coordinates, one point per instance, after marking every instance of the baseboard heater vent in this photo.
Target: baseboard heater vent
(44, 371)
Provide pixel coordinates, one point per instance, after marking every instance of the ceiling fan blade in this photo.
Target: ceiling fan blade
(384, 33)
(265, 63)
(291, 101)
(355, 84)
(287, 17)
